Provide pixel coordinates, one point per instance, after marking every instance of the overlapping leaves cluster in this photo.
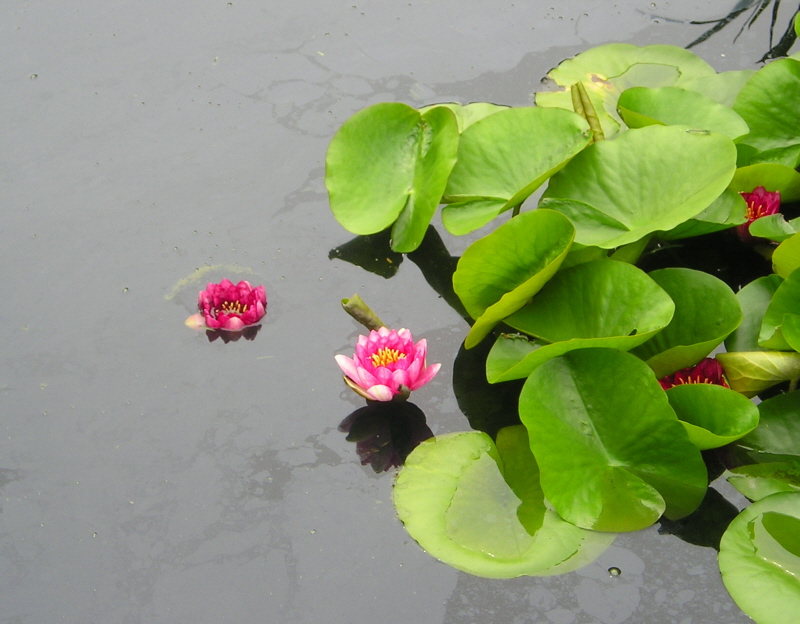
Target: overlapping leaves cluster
(659, 150)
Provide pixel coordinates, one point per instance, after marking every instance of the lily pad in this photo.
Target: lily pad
(602, 303)
(785, 303)
(722, 87)
(760, 559)
(608, 70)
(778, 432)
(647, 179)
(706, 311)
(468, 114)
(751, 372)
(754, 299)
(786, 258)
(505, 157)
(712, 415)
(756, 481)
(499, 273)
(772, 176)
(768, 103)
(612, 454)
(452, 496)
(669, 106)
(726, 211)
(389, 164)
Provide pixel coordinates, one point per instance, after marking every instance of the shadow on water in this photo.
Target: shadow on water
(385, 433)
(756, 8)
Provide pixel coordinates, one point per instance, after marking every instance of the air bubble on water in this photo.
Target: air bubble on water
(614, 571)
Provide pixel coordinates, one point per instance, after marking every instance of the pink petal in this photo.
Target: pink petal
(380, 393)
(425, 376)
(348, 366)
(196, 321)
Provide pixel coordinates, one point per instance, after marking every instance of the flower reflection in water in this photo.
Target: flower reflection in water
(385, 433)
(248, 333)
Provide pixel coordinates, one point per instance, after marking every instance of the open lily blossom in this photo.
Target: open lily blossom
(760, 203)
(387, 364)
(707, 371)
(229, 307)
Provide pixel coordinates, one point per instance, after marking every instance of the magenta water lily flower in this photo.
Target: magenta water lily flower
(387, 364)
(760, 203)
(229, 307)
(707, 371)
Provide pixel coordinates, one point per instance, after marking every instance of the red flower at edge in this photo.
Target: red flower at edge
(760, 203)
(708, 371)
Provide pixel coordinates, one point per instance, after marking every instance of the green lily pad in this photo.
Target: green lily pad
(505, 157)
(754, 300)
(603, 303)
(756, 481)
(452, 496)
(751, 372)
(713, 415)
(774, 227)
(768, 103)
(759, 559)
(706, 311)
(468, 114)
(499, 273)
(612, 454)
(785, 303)
(778, 431)
(786, 156)
(771, 176)
(723, 87)
(389, 164)
(786, 258)
(670, 106)
(726, 211)
(647, 179)
(608, 70)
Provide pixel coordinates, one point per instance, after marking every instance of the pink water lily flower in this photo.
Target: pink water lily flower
(228, 306)
(387, 364)
(760, 203)
(707, 371)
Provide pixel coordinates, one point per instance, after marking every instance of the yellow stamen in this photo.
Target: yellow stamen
(386, 356)
(233, 307)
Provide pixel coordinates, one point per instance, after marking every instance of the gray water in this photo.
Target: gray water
(149, 476)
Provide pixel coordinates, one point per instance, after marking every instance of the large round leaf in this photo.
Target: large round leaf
(506, 156)
(772, 176)
(499, 273)
(757, 481)
(706, 311)
(452, 496)
(786, 258)
(466, 115)
(389, 164)
(785, 305)
(754, 300)
(751, 372)
(607, 70)
(725, 211)
(759, 559)
(722, 87)
(712, 415)
(603, 303)
(768, 103)
(670, 106)
(612, 453)
(647, 179)
(778, 431)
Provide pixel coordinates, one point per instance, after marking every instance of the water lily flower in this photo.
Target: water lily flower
(387, 364)
(229, 307)
(708, 371)
(760, 203)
